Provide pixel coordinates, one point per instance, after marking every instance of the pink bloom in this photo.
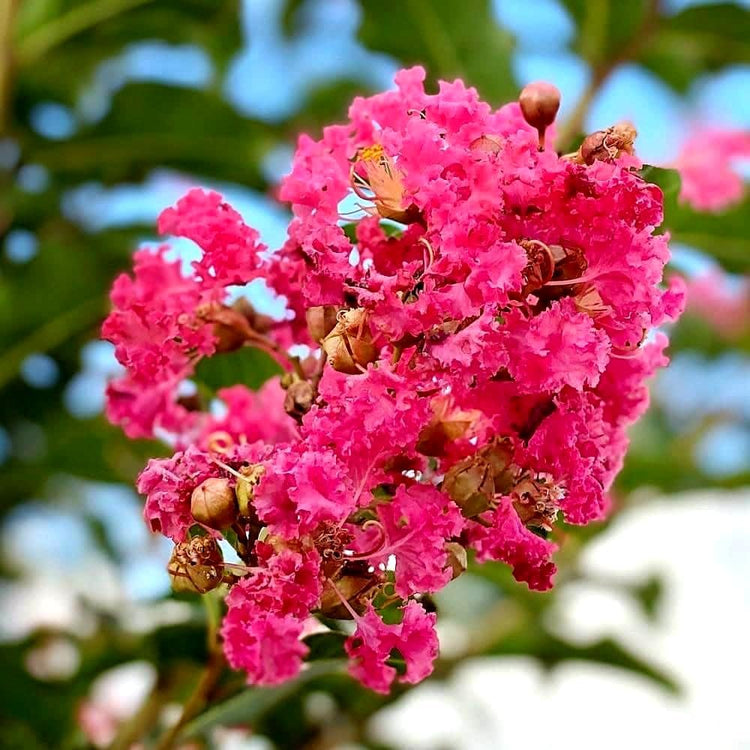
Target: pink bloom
(706, 165)
(231, 251)
(302, 489)
(251, 415)
(483, 333)
(157, 337)
(557, 347)
(264, 645)
(371, 645)
(266, 615)
(417, 523)
(509, 541)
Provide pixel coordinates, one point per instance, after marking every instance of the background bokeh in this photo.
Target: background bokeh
(109, 111)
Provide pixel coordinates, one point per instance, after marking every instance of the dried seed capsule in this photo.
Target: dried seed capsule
(457, 559)
(470, 485)
(349, 346)
(196, 566)
(539, 104)
(607, 145)
(536, 499)
(353, 588)
(299, 398)
(214, 503)
(499, 456)
(321, 320)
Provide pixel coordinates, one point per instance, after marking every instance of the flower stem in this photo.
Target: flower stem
(198, 699)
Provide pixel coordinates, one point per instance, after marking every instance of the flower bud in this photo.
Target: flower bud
(349, 346)
(196, 566)
(539, 104)
(214, 503)
(299, 398)
(321, 320)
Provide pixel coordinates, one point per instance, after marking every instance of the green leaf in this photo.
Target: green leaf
(58, 45)
(325, 646)
(722, 235)
(151, 125)
(251, 367)
(667, 179)
(451, 39)
(252, 703)
(604, 27)
(696, 41)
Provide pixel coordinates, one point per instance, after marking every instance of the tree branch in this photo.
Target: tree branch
(601, 73)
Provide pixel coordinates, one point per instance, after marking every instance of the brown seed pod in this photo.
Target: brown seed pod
(607, 145)
(299, 399)
(470, 485)
(499, 455)
(196, 566)
(214, 503)
(349, 346)
(321, 320)
(457, 559)
(539, 267)
(539, 104)
(353, 587)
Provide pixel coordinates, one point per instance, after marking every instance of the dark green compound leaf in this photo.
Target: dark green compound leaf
(151, 125)
(696, 41)
(450, 39)
(58, 46)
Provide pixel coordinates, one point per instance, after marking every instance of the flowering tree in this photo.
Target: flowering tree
(473, 303)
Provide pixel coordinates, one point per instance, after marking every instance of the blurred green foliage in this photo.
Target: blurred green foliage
(55, 302)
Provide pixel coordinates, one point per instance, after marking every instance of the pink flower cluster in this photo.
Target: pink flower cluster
(477, 313)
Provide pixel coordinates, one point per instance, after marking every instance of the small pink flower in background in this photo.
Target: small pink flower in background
(723, 304)
(114, 697)
(706, 163)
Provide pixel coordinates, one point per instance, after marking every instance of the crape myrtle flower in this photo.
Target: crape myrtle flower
(479, 314)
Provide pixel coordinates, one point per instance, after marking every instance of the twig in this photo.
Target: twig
(144, 719)
(271, 347)
(7, 14)
(200, 697)
(601, 73)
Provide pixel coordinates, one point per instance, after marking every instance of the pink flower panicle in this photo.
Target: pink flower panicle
(479, 313)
